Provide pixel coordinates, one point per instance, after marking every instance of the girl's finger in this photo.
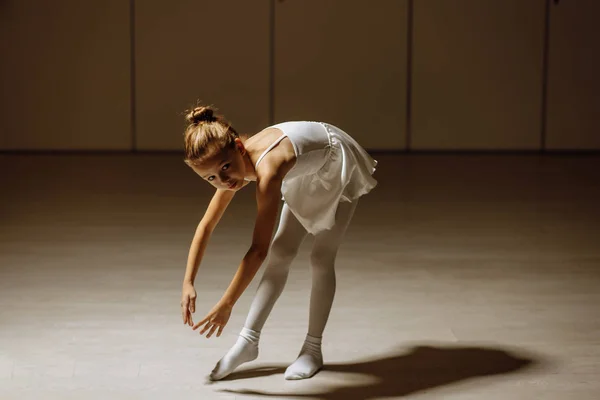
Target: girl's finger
(184, 305)
(212, 330)
(184, 308)
(205, 328)
(220, 330)
(186, 319)
(201, 322)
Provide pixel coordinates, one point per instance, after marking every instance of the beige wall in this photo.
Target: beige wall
(573, 118)
(476, 81)
(65, 75)
(477, 74)
(345, 63)
(213, 51)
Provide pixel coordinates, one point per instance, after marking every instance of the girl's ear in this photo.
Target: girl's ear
(240, 146)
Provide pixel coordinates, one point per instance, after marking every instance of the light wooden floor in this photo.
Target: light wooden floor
(461, 277)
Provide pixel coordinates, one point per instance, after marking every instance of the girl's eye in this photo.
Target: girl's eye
(226, 166)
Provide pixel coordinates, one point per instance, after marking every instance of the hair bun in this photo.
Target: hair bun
(201, 114)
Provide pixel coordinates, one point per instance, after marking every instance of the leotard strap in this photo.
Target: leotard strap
(279, 139)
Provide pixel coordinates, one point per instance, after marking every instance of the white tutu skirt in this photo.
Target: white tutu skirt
(346, 175)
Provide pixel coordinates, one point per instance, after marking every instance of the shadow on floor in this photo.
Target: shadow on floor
(419, 369)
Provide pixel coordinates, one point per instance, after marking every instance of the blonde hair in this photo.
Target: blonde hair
(206, 134)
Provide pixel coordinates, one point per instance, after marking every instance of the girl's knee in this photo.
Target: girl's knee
(323, 258)
(281, 252)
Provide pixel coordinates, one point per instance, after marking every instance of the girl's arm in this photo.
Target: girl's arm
(212, 216)
(268, 195)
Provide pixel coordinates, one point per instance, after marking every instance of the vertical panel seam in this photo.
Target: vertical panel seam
(271, 62)
(409, 69)
(546, 50)
(132, 75)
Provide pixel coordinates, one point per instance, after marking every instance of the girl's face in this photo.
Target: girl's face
(225, 170)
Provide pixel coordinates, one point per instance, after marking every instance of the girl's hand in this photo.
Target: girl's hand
(216, 318)
(188, 302)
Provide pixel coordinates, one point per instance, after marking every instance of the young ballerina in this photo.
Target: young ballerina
(320, 172)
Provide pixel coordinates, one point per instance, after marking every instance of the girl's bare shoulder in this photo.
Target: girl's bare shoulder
(280, 159)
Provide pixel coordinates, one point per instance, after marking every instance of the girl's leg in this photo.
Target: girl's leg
(284, 247)
(323, 256)
(322, 259)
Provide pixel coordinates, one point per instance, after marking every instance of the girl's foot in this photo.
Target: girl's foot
(309, 362)
(244, 350)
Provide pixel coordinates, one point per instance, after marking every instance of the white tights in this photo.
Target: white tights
(284, 247)
(286, 242)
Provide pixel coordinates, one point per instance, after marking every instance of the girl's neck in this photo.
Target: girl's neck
(249, 166)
